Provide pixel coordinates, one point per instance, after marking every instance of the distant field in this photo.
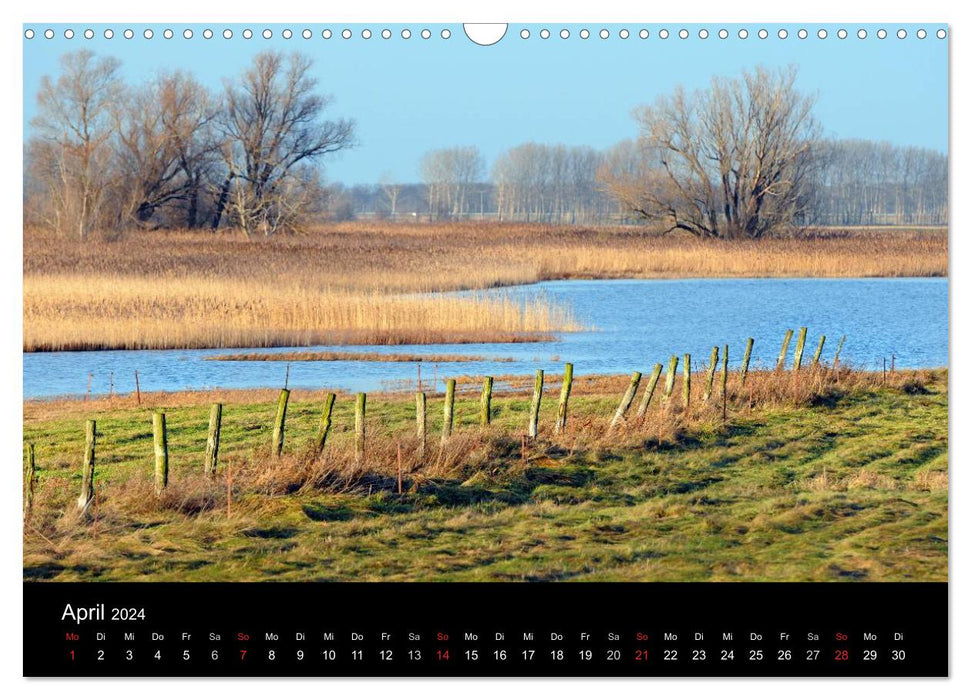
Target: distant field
(828, 478)
(355, 283)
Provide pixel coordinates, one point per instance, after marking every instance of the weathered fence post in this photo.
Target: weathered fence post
(725, 383)
(138, 389)
(420, 417)
(710, 378)
(360, 406)
(819, 351)
(160, 437)
(781, 364)
(669, 378)
(649, 390)
(485, 407)
(212, 442)
(87, 468)
(839, 347)
(745, 360)
(533, 430)
(686, 373)
(279, 425)
(325, 421)
(800, 347)
(399, 469)
(627, 399)
(29, 481)
(561, 409)
(449, 410)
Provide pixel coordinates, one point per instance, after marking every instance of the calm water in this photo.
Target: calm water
(636, 322)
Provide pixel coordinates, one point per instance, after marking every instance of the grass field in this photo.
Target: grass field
(357, 283)
(831, 477)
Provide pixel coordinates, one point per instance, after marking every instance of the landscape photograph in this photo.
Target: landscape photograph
(377, 303)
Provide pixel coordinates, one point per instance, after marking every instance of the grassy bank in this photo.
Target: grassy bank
(355, 283)
(824, 477)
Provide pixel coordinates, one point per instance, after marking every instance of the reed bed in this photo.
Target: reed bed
(367, 282)
(75, 312)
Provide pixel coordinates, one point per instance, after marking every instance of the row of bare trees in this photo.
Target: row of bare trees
(449, 175)
(742, 158)
(550, 182)
(106, 155)
(867, 183)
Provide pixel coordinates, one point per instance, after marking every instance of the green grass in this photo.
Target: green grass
(847, 485)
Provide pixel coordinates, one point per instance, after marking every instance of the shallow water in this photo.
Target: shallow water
(635, 324)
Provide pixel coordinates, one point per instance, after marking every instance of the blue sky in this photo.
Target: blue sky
(411, 95)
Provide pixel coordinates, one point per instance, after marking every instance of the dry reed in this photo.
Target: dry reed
(357, 283)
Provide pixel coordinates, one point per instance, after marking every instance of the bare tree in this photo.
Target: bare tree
(72, 150)
(165, 149)
(732, 161)
(391, 190)
(274, 130)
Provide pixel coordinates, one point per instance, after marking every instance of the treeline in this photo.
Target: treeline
(855, 183)
(865, 183)
(171, 153)
(740, 159)
(532, 182)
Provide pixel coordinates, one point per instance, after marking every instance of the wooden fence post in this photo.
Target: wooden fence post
(627, 399)
(279, 425)
(725, 383)
(212, 442)
(745, 360)
(649, 390)
(781, 364)
(360, 407)
(561, 409)
(138, 389)
(325, 422)
(800, 347)
(686, 373)
(399, 469)
(29, 482)
(819, 351)
(485, 408)
(669, 378)
(839, 346)
(87, 468)
(420, 417)
(160, 436)
(533, 430)
(449, 410)
(710, 378)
